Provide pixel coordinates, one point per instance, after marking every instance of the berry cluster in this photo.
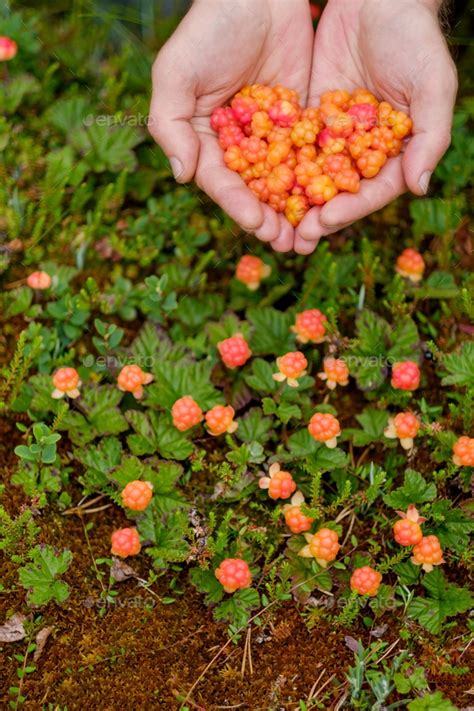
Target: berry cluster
(186, 414)
(293, 158)
(407, 532)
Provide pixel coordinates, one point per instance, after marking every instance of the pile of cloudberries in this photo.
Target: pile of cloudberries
(293, 158)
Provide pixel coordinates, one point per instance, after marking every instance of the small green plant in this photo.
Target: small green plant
(17, 534)
(40, 575)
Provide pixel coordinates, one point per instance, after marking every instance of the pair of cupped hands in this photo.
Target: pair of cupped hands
(396, 49)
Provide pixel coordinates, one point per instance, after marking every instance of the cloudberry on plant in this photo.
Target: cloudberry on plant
(323, 546)
(280, 484)
(66, 381)
(220, 419)
(405, 375)
(283, 113)
(131, 380)
(365, 581)
(295, 519)
(251, 270)
(427, 553)
(233, 574)
(39, 280)
(335, 372)
(296, 208)
(137, 495)
(234, 159)
(403, 426)
(8, 49)
(234, 351)
(310, 326)
(222, 116)
(410, 264)
(407, 531)
(244, 108)
(321, 189)
(324, 427)
(230, 136)
(291, 366)
(371, 162)
(463, 452)
(186, 413)
(125, 542)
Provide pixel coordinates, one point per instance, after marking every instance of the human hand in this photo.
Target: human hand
(219, 47)
(397, 51)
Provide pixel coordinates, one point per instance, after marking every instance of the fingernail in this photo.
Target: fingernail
(176, 167)
(424, 181)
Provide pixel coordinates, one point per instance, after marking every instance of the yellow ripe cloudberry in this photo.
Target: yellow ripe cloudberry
(284, 113)
(280, 484)
(285, 94)
(234, 159)
(306, 171)
(335, 372)
(334, 164)
(403, 426)
(306, 153)
(401, 124)
(186, 413)
(137, 495)
(405, 375)
(261, 124)
(39, 280)
(304, 131)
(220, 419)
(66, 381)
(251, 270)
(463, 452)
(125, 542)
(320, 190)
(370, 162)
(410, 264)
(253, 149)
(233, 574)
(384, 140)
(278, 201)
(365, 581)
(323, 546)
(264, 95)
(310, 326)
(132, 378)
(428, 553)
(329, 143)
(291, 366)
(296, 208)
(324, 427)
(295, 519)
(234, 351)
(281, 179)
(363, 96)
(260, 188)
(347, 181)
(407, 531)
(339, 98)
(358, 142)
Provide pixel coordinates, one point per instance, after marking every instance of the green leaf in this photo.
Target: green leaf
(271, 331)
(451, 525)
(68, 114)
(237, 608)
(261, 378)
(287, 410)
(152, 345)
(174, 381)
(415, 490)
(99, 460)
(206, 582)
(300, 445)
(167, 532)
(254, 427)
(437, 216)
(373, 423)
(39, 576)
(460, 366)
(107, 147)
(407, 572)
(431, 702)
(405, 341)
(444, 600)
(102, 415)
(171, 443)
(326, 459)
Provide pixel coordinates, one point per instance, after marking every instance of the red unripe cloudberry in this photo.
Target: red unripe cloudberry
(125, 542)
(186, 413)
(405, 375)
(234, 574)
(365, 581)
(234, 351)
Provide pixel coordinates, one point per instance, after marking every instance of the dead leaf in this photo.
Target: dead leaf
(40, 640)
(121, 571)
(13, 630)
(378, 632)
(351, 643)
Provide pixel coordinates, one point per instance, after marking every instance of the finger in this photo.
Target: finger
(431, 110)
(373, 195)
(172, 106)
(225, 187)
(285, 239)
(270, 228)
(310, 228)
(304, 246)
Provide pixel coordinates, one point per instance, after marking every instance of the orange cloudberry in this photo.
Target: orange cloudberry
(291, 366)
(335, 372)
(324, 427)
(234, 351)
(365, 581)
(280, 483)
(323, 546)
(137, 495)
(405, 375)
(428, 553)
(463, 452)
(234, 574)
(39, 280)
(407, 530)
(295, 519)
(410, 264)
(186, 413)
(66, 381)
(310, 326)
(251, 270)
(296, 208)
(125, 542)
(220, 419)
(403, 426)
(132, 378)
(320, 189)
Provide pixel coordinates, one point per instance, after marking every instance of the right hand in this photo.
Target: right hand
(220, 46)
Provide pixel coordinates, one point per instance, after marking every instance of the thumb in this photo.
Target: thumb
(431, 110)
(172, 107)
